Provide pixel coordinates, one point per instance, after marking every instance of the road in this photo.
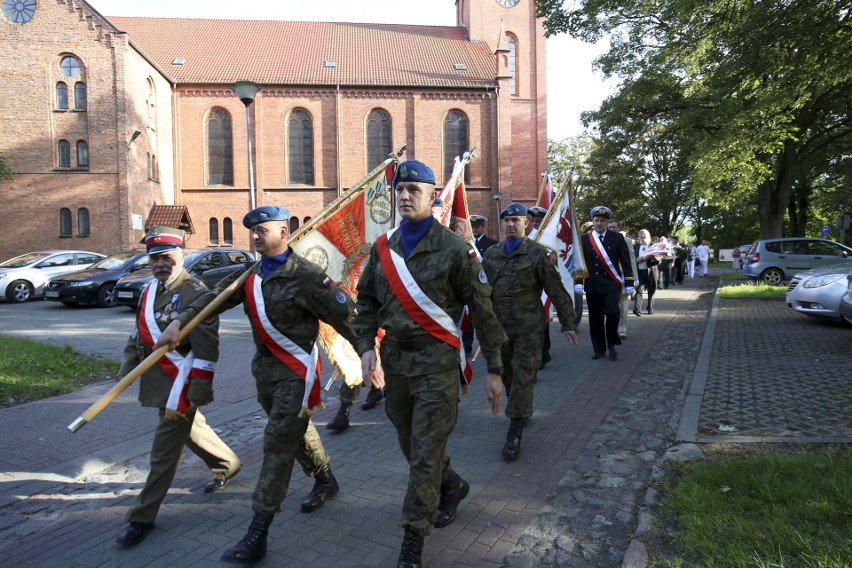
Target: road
(88, 329)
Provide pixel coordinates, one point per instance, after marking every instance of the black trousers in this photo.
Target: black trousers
(604, 313)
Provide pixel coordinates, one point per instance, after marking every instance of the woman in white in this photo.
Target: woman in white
(690, 260)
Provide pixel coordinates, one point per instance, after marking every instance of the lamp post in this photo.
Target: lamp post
(246, 91)
(497, 197)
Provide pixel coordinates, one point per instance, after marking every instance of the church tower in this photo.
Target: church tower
(516, 37)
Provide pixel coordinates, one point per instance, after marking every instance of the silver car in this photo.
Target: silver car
(819, 292)
(24, 277)
(774, 260)
(846, 301)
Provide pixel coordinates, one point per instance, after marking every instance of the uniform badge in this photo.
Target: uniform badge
(341, 297)
(158, 315)
(471, 253)
(326, 281)
(173, 315)
(483, 278)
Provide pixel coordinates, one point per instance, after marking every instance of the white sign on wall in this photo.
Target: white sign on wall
(137, 222)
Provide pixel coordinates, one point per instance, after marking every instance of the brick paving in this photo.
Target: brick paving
(63, 496)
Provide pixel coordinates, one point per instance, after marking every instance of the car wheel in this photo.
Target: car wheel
(772, 276)
(19, 291)
(106, 296)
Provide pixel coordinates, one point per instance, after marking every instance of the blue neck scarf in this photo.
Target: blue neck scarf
(512, 245)
(412, 232)
(270, 264)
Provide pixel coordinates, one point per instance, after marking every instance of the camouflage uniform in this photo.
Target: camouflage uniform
(517, 281)
(296, 295)
(172, 435)
(422, 372)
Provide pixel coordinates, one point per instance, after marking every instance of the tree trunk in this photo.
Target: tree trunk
(773, 195)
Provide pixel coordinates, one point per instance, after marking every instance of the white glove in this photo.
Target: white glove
(629, 290)
(578, 288)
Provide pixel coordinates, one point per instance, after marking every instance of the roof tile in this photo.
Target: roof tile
(294, 53)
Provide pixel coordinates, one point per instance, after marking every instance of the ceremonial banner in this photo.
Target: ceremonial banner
(559, 232)
(545, 192)
(455, 213)
(339, 239)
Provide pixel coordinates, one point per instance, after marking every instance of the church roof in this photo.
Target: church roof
(301, 53)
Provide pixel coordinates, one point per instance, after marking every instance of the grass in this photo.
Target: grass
(752, 289)
(775, 510)
(31, 371)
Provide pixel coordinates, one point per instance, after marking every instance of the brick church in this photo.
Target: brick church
(110, 124)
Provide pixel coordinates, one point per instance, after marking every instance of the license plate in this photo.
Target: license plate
(124, 294)
(51, 294)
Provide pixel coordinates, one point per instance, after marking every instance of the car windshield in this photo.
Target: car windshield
(24, 260)
(114, 261)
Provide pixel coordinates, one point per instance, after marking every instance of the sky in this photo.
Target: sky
(572, 85)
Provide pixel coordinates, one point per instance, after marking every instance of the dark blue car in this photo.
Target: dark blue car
(96, 284)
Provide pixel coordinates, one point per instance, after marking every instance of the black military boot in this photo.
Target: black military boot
(374, 397)
(341, 421)
(325, 486)
(412, 549)
(252, 548)
(512, 449)
(452, 493)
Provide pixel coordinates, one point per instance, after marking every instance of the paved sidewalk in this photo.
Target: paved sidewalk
(576, 497)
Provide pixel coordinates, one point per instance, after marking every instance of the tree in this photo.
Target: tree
(756, 89)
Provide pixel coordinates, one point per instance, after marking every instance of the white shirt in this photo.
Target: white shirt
(703, 252)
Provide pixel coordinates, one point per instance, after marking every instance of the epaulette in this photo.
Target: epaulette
(197, 286)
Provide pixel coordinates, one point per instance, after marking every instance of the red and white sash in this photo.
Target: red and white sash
(181, 368)
(304, 364)
(602, 255)
(419, 306)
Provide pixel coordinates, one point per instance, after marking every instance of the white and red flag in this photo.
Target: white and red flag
(339, 239)
(559, 233)
(455, 213)
(545, 193)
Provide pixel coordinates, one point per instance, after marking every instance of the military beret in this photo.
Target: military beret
(264, 215)
(163, 239)
(438, 202)
(514, 210)
(601, 211)
(412, 170)
(478, 220)
(537, 212)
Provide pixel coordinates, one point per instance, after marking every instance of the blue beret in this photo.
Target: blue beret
(601, 211)
(514, 210)
(412, 170)
(538, 212)
(265, 214)
(438, 202)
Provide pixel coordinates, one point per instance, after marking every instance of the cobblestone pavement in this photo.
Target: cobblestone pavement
(578, 497)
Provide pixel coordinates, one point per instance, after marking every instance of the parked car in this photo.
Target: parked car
(23, 277)
(209, 266)
(774, 260)
(846, 301)
(818, 292)
(96, 284)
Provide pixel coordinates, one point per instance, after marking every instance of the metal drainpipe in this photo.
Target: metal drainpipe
(337, 119)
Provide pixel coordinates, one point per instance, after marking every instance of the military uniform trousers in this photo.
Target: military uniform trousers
(170, 438)
(603, 320)
(521, 359)
(424, 410)
(287, 437)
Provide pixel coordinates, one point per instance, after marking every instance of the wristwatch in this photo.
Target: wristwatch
(495, 370)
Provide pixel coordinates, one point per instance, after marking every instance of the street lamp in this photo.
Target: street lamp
(497, 197)
(246, 91)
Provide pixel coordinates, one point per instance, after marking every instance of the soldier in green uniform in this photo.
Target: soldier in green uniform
(415, 285)
(518, 269)
(284, 298)
(177, 385)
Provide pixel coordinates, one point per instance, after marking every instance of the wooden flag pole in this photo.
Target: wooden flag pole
(152, 359)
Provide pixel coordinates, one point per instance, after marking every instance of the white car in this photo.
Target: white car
(24, 276)
(819, 292)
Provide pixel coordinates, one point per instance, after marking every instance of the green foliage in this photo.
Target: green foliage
(30, 370)
(752, 290)
(771, 510)
(5, 170)
(742, 102)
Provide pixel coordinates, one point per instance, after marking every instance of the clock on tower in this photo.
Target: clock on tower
(508, 3)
